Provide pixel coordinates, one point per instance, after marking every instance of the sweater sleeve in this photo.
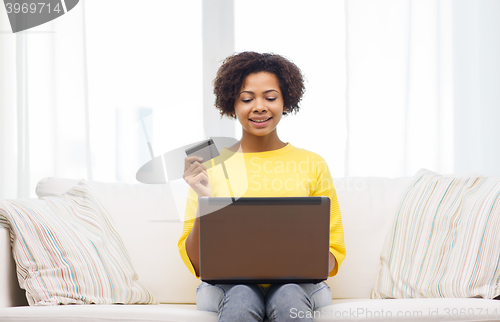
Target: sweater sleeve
(189, 217)
(324, 187)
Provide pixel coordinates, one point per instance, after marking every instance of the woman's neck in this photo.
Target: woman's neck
(252, 143)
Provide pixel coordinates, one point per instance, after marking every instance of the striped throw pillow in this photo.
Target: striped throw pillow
(445, 240)
(68, 252)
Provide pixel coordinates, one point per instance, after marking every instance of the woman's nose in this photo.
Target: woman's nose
(260, 106)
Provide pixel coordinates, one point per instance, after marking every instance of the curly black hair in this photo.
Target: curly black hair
(235, 68)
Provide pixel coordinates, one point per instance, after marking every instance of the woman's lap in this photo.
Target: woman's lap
(280, 302)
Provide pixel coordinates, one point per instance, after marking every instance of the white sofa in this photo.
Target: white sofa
(147, 218)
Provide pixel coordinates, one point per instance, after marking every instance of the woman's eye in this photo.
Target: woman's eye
(248, 100)
(271, 99)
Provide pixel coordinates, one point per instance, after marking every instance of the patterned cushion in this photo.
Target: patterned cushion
(67, 251)
(444, 241)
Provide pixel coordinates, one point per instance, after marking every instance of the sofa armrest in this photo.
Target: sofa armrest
(10, 293)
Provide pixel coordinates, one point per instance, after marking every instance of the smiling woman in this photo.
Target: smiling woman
(257, 89)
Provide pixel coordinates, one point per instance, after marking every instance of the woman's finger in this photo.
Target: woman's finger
(198, 170)
(193, 167)
(189, 160)
(202, 176)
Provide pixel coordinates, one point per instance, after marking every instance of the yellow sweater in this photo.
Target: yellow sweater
(286, 172)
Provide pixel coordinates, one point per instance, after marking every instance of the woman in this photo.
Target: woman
(257, 89)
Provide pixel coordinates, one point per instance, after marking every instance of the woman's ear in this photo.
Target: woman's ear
(284, 110)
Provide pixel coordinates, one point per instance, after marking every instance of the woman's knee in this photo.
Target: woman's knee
(288, 298)
(245, 295)
(209, 297)
(322, 296)
(243, 303)
(282, 299)
(232, 301)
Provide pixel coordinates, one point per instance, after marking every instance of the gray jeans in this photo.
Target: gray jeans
(250, 302)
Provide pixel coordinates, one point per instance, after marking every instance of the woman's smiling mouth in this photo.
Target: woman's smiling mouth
(260, 122)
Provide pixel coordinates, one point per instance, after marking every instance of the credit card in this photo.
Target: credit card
(206, 150)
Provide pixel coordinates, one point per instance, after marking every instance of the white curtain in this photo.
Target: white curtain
(476, 95)
(313, 37)
(378, 96)
(400, 80)
(42, 109)
(144, 65)
(75, 92)
(392, 85)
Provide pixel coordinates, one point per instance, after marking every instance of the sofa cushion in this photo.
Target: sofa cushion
(148, 218)
(67, 251)
(444, 241)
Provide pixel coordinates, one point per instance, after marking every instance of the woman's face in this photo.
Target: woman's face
(260, 105)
